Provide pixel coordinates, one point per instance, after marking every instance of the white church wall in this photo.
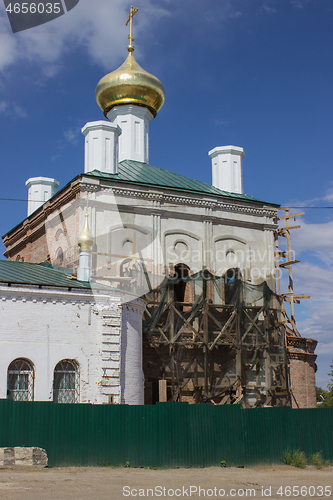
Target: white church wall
(170, 228)
(131, 374)
(47, 326)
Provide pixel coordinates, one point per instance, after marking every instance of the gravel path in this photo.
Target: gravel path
(91, 483)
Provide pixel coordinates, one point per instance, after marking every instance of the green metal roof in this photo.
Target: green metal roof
(38, 274)
(44, 274)
(135, 172)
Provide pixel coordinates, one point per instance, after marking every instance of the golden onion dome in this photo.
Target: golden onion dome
(130, 84)
(86, 239)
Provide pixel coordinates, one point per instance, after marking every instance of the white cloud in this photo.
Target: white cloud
(299, 4)
(235, 14)
(315, 238)
(72, 135)
(220, 121)
(3, 107)
(8, 46)
(19, 111)
(329, 194)
(12, 109)
(314, 280)
(317, 201)
(268, 9)
(89, 25)
(222, 14)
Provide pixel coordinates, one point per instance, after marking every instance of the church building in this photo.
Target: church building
(125, 241)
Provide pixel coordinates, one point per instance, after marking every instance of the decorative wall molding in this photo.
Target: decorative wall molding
(138, 306)
(194, 200)
(45, 296)
(86, 187)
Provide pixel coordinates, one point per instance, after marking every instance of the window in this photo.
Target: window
(181, 272)
(231, 285)
(59, 260)
(66, 382)
(20, 381)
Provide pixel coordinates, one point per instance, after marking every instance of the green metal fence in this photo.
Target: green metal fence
(165, 434)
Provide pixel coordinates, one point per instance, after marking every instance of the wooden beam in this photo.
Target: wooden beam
(288, 263)
(282, 229)
(162, 391)
(223, 329)
(292, 322)
(122, 256)
(296, 299)
(286, 296)
(253, 322)
(238, 353)
(159, 329)
(290, 216)
(186, 322)
(205, 331)
(277, 262)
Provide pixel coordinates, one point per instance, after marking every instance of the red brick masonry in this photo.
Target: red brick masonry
(302, 369)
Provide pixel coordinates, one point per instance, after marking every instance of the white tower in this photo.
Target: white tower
(133, 121)
(40, 189)
(227, 168)
(101, 146)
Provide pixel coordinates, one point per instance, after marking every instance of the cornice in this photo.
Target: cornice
(192, 200)
(106, 303)
(45, 295)
(138, 306)
(34, 226)
(301, 356)
(307, 345)
(91, 188)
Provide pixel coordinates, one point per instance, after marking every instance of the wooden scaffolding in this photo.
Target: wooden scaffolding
(288, 262)
(217, 347)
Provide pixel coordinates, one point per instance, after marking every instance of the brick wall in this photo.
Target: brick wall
(302, 369)
(48, 232)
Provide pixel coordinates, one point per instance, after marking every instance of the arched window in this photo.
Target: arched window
(66, 382)
(20, 380)
(183, 290)
(230, 281)
(59, 260)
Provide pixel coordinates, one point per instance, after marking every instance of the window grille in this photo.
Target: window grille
(20, 381)
(66, 382)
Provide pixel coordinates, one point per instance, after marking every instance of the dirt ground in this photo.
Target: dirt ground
(91, 483)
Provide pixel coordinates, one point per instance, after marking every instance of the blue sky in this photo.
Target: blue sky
(252, 73)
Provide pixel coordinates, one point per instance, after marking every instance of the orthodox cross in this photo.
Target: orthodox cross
(130, 20)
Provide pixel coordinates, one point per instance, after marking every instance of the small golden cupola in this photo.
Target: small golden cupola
(130, 84)
(86, 240)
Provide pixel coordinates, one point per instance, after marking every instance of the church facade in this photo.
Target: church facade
(147, 225)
